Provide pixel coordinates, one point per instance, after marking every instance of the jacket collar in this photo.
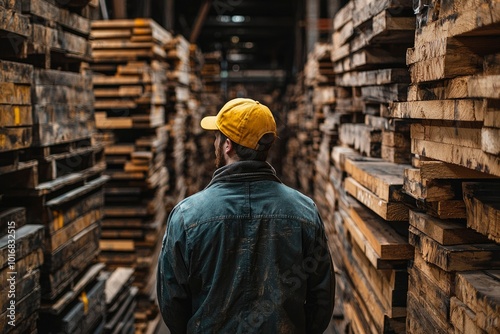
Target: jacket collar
(245, 171)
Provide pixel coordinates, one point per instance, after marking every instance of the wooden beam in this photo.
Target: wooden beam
(200, 20)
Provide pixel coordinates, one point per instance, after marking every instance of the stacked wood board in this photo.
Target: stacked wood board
(180, 117)
(50, 34)
(201, 104)
(50, 163)
(130, 78)
(120, 297)
(454, 180)
(21, 250)
(369, 43)
(16, 118)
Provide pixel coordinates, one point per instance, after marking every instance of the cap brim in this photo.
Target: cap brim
(209, 123)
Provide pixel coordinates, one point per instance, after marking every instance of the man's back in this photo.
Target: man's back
(249, 255)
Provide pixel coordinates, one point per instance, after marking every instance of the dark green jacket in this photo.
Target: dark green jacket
(246, 255)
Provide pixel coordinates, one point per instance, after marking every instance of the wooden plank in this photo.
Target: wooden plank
(50, 12)
(10, 217)
(445, 232)
(371, 78)
(440, 133)
(15, 138)
(23, 287)
(59, 306)
(482, 202)
(453, 110)
(385, 93)
(443, 279)
(55, 260)
(24, 309)
(490, 142)
(14, 72)
(27, 239)
(343, 16)
(438, 302)
(390, 211)
(370, 9)
(420, 318)
(61, 236)
(480, 292)
(11, 93)
(456, 257)
(471, 158)
(380, 235)
(362, 138)
(442, 170)
(384, 179)
(462, 317)
(55, 283)
(13, 22)
(117, 245)
(116, 282)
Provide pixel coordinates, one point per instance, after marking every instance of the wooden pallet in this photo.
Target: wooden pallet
(137, 39)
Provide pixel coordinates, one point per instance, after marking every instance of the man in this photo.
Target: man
(247, 254)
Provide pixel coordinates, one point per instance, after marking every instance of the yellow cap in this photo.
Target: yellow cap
(244, 121)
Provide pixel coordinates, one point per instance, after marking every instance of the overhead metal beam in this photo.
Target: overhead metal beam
(200, 20)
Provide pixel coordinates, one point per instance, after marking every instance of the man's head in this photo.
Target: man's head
(247, 131)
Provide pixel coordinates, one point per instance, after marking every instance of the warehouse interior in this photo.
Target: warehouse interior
(388, 116)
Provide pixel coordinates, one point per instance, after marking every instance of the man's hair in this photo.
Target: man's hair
(245, 153)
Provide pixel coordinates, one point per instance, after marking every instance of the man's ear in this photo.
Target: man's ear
(228, 146)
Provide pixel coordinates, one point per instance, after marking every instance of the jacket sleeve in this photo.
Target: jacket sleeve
(174, 297)
(320, 297)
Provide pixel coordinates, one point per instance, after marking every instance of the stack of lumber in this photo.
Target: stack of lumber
(120, 300)
(16, 119)
(301, 152)
(51, 34)
(453, 183)
(210, 72)
(129, 85)
(49, 160)
(21, 252)
(449, 201)
(15, 29)
(180, 117)
(453, 96)
(80, 309)
(374, 224)
(318, 77)
(369, 44)
(201, 104)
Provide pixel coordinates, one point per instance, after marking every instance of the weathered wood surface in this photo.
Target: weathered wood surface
(27, 239)
(457, 257)
(445, 232)
(363, 138)
(9, 215)
(12, 21)
(472, 158)
(453, 110)
(52, 13)
(382, 178)
(480, 292)
(391, 211)
(482, 201)
(377, 233)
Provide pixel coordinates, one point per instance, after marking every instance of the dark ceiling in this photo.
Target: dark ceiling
(253, 35)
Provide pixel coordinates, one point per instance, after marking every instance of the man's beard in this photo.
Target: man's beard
(220, 159)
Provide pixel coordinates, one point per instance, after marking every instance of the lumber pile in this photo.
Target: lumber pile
(452, 96)
(50, 34)
(130, 84)
(452, 185)
(21, 250)
(120, 297)
(369, 43)
(49, 161)
(181, 113)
